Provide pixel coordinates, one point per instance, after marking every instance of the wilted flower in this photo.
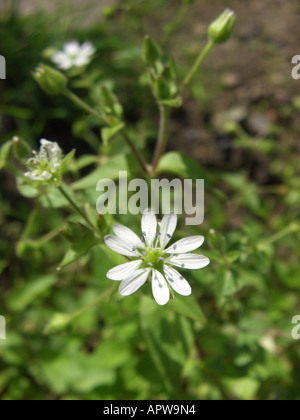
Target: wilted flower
(152, 257)
(73, 55)
(48, 165)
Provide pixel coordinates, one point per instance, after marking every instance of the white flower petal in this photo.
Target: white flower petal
(123, 271)
(55, 167)
(133, 283)
(62, 60)
(45, 142)
(149, 226)
(73, 54)
(177, 282)
(189, 261)
(186, 245)
(81, 61)
(45, 175)
(37, 175)
(128, 236)
(167, 228)
(58, 57)
(72, 48)
(119, 245)
(87, 49)
(160, 289)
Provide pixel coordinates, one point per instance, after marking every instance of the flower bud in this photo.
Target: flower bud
(58, 322)
(50, 80)
(221, 29)
(161, 88)
(151, 51)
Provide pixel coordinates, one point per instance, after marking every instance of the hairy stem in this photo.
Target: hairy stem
(105, 121)
(161, 144)
(79, 102)
(90, 305)
(197, 63)
(136, 152)
(76, 208)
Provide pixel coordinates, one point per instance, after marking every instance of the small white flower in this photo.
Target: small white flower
(46, 164)
(38, 175)
(152, 257)
(73, 55)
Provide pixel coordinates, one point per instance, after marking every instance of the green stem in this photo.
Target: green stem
(29, 225)
(177, 20)
(90, 305)
(197, 63)
(76, 208)
(136, 152)
(105, 121)
(85, 106)
(161, 144)
(292, 228)
(47, 237)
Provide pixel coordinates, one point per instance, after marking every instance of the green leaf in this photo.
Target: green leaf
(176, 102)
(82, 371)
(79, 236)
(7, 376)
(16, 111)
(70, 257)
(232, 256)
(54, 199)
(188, 306)
(4, 152)
(26, 293)
(181, 165)
(167, 339)
(161, 88)
(243, 388)
(109, 170)
(75, 371)
(21, 148)
(67, 160)
(169, 71)
(226, 285)
(110, 104)
(26, 190)
(86, 160)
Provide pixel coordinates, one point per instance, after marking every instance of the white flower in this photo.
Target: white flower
(73, 55)
(152, 257)
(46, 164)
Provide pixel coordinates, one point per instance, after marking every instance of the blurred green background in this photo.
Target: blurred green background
(240, 123)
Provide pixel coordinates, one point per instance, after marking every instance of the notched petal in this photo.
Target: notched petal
(189, 261)
(167, 228)
(133, 283)
(123, 271)
(186, 245)
(160, 288)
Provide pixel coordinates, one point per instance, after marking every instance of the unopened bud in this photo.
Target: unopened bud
(151, 51)
(50, 80)
(161, 88)
(221, 29)
(58, 322)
